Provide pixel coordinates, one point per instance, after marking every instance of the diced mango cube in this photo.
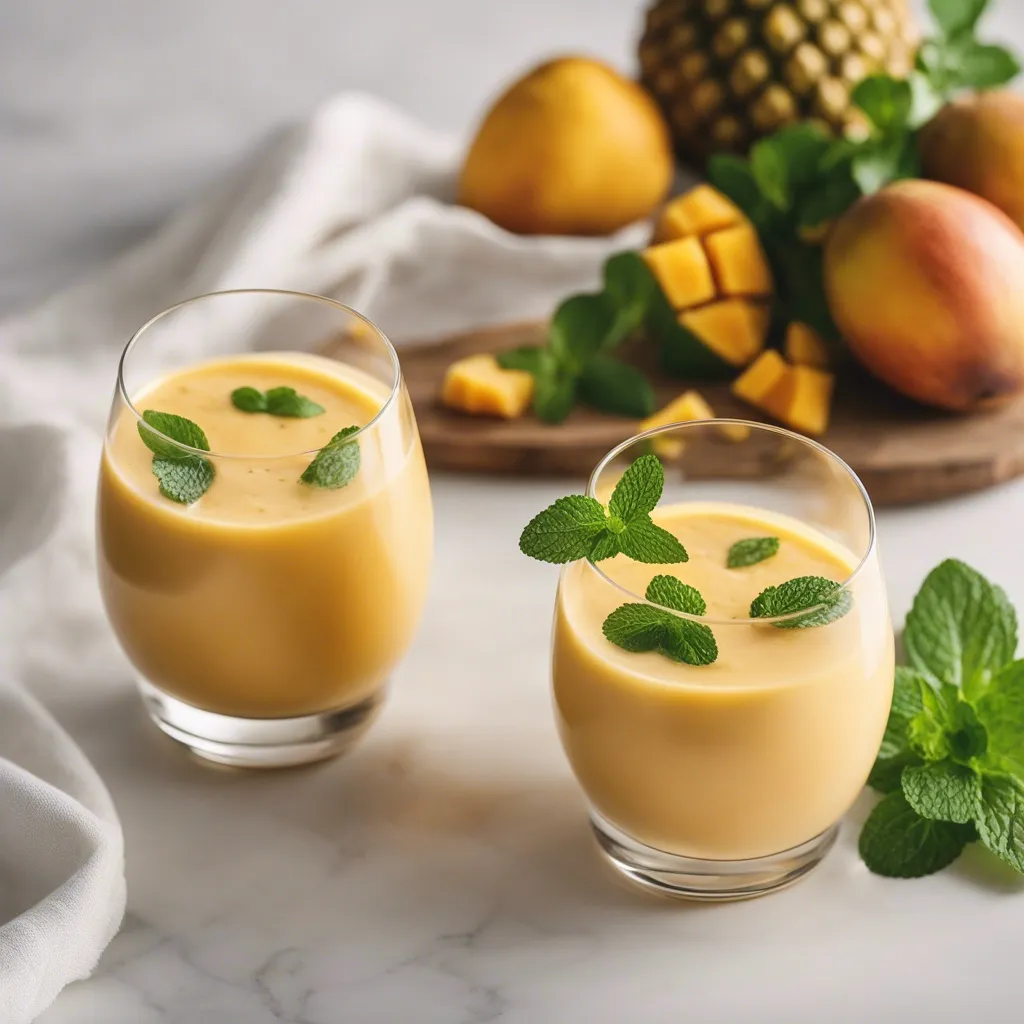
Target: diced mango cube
(805, 400)
(738, 261)
(805, 347)
(698, 212)
(689, 406)
(478, 385)
(734, 329)
(681, 269)
(762, 383)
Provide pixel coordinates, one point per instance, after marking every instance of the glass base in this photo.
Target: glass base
(691, 878)
(259, 742)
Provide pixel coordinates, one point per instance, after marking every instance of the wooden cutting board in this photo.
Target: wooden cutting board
(903, 452)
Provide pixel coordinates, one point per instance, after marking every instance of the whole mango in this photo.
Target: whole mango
(977, 143)
(571, 149)
(926, 284)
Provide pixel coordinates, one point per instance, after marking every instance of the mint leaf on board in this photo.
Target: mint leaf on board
(895, 752)
(629, 286)
(177, 428)
(565, 531)
(249, 399)
(1000, 818)
(961, 628)
(642, 627)
(183, 476)
(644, 541)
(898, 843)
(336, 464)
(1001, 711)
(956, 16)
(527, 357)
(613, 386)
(554, 392)
(672, 592)
(579, 328)
(943, 791)
(750, 551)
(639, 489)
(829, 600)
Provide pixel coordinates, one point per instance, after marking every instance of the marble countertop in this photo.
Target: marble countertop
(443, 872)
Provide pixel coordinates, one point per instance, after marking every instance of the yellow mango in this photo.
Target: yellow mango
(478, 385)
(689, 406)
(738, 261)
(734, 329)
(804, 401)
(682, 271)
(763, 383)
(805, 347)
(698, 212)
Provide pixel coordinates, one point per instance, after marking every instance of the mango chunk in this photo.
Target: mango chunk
(738, 261)
(478, 385)
(762, 383)
(734, 329)
(681, 269)
(805, 347)
(805, 400)
(690, 405)
(698, 212)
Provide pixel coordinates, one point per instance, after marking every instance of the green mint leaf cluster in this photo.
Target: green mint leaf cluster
(824, 599)
(643, 627)
(576, 365)
(336, 464)
(578, 526)
(184, 476)
(750, 551)
(282, 401)
(951, 761)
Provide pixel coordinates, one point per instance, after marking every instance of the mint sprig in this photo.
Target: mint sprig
(825, 600)
(336, 464)
(750, 551)
(952, 757)
(643, 627)
(578, 526)
(280, 401)
(183, 476)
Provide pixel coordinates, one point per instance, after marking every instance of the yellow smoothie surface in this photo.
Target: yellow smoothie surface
(749, 756)
(267, 597)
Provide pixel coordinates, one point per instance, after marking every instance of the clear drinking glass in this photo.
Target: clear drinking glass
(264, 618)
(728, 780)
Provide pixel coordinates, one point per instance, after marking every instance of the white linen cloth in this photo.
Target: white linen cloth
(356, 203)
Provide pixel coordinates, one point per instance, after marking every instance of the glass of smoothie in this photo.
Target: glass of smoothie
(727, 780)
(265, 574)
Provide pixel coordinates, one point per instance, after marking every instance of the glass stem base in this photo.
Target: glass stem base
(259, 742)
(691, 878)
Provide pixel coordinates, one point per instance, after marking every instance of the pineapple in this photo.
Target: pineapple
(727, 72)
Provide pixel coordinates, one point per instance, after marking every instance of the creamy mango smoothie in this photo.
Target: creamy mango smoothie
(754, 754)
(267, 598)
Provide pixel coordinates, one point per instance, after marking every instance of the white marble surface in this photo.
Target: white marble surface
(443, 873)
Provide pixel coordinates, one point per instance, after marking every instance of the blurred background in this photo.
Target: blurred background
(113, 111)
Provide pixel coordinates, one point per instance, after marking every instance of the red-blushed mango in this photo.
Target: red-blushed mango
(926, 284)
(977, 143)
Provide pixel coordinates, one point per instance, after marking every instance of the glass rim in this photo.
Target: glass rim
(808, 442)
(389, 348)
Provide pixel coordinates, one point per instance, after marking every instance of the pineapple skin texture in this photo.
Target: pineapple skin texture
(728, 72)
(573, 148)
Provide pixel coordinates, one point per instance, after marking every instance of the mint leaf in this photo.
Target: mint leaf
(613, 386)
(961, 628)
(751, 551)
(565, 531)
(768, 165)
(946, 726)
(1000, 818)
(886, 774)
(895, 752)
(554, 392)
(527, 357)
(184, 476)
(336, 464)
(733, 177)
(829, 600)
(605, 545)
(1001, 711)
(641, 627)
(829, 199)
(630, 289)
(249, 399)
(887, 101)
(973, 65)
(578, 329)
(639, 489)
(943, 791)
(898, 843)
(177, 428)
(284, 401)
(956, 16)
(673, 593)
(183, 480)
(645, 541)
(879, 163)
